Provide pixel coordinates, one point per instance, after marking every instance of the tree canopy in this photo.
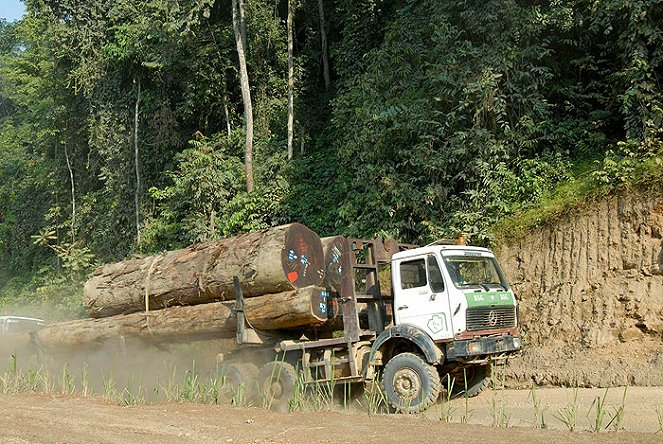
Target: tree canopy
(437, 118)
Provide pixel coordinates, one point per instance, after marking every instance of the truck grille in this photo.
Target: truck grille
(490, 318)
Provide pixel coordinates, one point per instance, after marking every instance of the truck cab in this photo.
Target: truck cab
(452, 292)
(454, 316)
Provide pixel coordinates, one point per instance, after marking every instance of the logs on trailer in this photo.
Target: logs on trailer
(275, 260)
(305, 307)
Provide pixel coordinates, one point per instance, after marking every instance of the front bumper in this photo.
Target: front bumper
(486, 347)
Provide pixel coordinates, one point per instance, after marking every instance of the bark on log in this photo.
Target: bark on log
(308, 306)
(275, 260)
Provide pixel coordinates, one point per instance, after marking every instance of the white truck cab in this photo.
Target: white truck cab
(452, 292)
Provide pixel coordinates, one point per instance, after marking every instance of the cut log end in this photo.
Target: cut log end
(324, 305)
(335, 247)
(302, 257)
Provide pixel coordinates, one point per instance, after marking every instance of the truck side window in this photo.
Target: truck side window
(413, 274)
(434, 274)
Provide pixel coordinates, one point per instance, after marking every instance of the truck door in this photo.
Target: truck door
(421, 298)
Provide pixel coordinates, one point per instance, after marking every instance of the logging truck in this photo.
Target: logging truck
(418, 320)
(311, 310)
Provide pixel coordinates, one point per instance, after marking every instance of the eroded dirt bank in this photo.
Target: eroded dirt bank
(591, 293)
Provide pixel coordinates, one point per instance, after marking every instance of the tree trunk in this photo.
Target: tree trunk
(73, 195)
(225, 106)
(323, 41)
(275, 260)
(291, 83)
(239, 28)
(280, 311)
(136, 164)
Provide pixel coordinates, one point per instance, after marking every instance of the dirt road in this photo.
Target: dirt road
(57, 419)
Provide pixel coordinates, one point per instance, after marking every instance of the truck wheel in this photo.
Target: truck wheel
(411, 385)
(276, 383)
(478, 379)
(239, 383)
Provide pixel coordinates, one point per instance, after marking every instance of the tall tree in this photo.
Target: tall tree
(239, 28)
(323, 44)
(291, 81)
(136, 161)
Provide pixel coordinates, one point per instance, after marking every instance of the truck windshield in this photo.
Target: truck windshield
(475, 271)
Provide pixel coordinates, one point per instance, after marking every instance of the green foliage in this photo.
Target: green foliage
(442, 118)
(207, 179)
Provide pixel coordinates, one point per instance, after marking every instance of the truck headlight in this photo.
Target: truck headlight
(474, 347)
(517, 343)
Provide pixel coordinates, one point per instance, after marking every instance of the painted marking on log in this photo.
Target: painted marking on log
(293, 276)
(305, 263)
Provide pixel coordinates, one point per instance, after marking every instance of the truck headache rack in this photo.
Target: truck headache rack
(364, 259)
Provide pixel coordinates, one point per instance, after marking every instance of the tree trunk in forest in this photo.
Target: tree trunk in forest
(73, 194)
(281, 311)
(225, 106)
(275, 260)
(323, 41)
(136, 164)
(291, 83)
(239, 28)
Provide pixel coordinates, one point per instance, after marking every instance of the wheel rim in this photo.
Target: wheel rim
(276, 390)
(407, 383)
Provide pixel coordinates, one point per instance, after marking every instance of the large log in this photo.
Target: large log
(334, 248)
(308, 306)
(275, 260)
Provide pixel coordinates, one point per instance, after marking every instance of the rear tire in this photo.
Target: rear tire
(411, 385)
(240, 383)
(276, 383)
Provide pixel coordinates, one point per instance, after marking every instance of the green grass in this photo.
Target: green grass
(591, 182)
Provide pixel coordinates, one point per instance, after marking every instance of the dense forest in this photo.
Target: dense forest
(128, 127)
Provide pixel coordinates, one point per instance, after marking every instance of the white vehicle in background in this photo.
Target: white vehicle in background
(19, 324)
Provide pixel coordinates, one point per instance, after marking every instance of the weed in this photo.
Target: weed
(467, 413)
(374, 396)
(539, 418)
(85, 385)
(133, 395)
(498, 407)
(568, 414)
(191, 387)
(447, 410)
(67, 381)
(598, 404)
(617, 418)
(109, 390)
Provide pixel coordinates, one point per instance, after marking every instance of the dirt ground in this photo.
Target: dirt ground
(61, 419)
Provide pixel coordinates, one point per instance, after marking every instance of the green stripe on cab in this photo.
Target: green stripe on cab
(490, 298)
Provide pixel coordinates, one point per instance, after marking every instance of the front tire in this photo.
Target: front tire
(411, 385)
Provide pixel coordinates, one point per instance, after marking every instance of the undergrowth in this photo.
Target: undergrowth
(624, 169)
